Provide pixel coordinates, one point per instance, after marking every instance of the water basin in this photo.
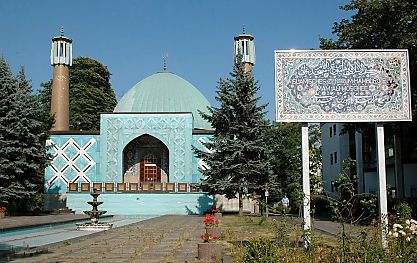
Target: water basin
(36, 236)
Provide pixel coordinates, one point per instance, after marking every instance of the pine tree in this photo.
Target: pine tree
(23, 132)
(239, 161)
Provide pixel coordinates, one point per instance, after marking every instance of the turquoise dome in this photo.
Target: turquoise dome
(165, 92)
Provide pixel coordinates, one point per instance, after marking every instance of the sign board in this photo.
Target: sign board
(342, 86)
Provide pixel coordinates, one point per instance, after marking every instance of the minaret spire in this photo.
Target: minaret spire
(165, 58)
(245, 48)
(61, 60)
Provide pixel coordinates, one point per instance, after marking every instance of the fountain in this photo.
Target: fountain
(94, 215)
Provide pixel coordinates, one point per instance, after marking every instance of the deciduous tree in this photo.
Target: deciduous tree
(90, 93)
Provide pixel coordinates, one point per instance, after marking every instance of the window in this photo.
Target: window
(331, 158)
(335, 157)
(331, 133)
(334, 129)
(61, 49)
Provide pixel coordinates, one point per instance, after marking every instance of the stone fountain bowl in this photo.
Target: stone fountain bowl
(94, 203)
(94, 213)
(94, 227)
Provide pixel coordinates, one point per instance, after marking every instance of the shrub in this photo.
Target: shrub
(321, 206)
(260, 250)
(403, 211)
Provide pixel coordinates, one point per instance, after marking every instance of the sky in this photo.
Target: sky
(130, 37)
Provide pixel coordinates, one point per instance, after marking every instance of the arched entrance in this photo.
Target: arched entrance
(146, 160)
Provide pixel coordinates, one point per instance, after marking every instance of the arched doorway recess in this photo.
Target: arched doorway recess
(146, 160)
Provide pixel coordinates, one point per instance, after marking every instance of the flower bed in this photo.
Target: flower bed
(2, 212)
(210, 250)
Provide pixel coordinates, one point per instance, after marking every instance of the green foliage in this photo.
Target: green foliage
(296, 195)
(346, 182)
(351, 207)
(260, 250)
(90, 93)
(320, 206)
(24, 129)
(316, 180)
(284, 140)
(37, 203)
(240, 160)
(286, 246)
(403, 211)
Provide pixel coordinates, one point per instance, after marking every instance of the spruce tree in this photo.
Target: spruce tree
(239, 161)
(7, 87)
(23, 132)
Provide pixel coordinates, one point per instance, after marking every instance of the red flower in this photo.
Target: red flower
(210, 222)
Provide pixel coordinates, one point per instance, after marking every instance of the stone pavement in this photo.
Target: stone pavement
(171, 238)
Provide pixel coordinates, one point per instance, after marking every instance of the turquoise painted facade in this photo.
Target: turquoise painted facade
(142, 127)
(145, 204)
(174, 130)
(76, 159)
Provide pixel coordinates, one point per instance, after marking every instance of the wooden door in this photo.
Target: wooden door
(150, 169)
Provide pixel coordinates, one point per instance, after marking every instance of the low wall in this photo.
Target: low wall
(143, 203)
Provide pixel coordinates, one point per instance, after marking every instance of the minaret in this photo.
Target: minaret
(61, 59)
(245, 47)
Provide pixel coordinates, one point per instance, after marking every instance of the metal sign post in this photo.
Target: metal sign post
(382, 179)
(266, 202)
(306, 185)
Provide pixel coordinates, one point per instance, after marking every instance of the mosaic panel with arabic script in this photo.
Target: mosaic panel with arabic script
(342, 86)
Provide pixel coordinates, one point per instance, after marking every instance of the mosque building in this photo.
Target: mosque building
(142, 158)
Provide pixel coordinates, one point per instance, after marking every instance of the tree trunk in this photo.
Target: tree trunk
(240, 203)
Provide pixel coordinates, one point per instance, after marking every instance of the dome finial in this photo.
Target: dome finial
(62, 30)
(165, 58)
(243, 29)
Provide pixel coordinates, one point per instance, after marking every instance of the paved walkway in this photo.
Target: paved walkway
(162, 239)
(171, 238)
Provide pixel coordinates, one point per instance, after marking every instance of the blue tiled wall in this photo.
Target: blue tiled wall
(197, 143)
(76, 159)
(143, 204)
(174, 130)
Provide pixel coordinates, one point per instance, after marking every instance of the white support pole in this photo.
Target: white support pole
(382, 179)
(306, 185)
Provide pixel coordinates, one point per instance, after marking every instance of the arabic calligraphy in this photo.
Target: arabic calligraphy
(342, 85)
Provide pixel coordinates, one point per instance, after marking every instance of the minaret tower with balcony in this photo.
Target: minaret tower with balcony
(61, 60)
(245, 46)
